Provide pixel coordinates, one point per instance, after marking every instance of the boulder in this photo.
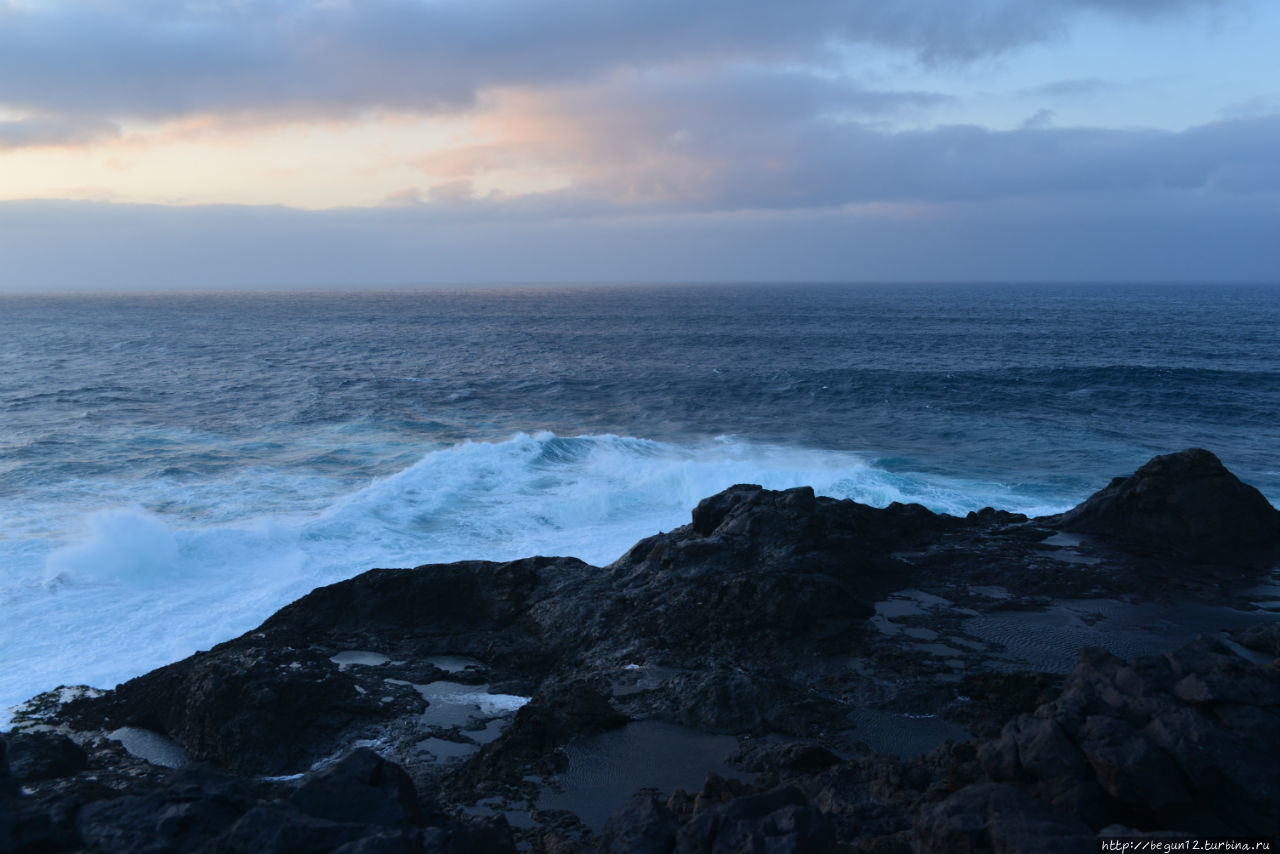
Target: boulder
(194, 806)
(1183, 741)
(43, 755)
(8, 797)
(257, 709)
(793, 757)
(732, 702)
(758, 569)
(1185, 505)
(485, 835)
(360, 788)
(1000, 817)
(284, 829)
(640, 826)
(1264, 638)
(781, 820)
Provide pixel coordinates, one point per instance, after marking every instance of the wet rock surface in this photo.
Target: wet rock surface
(894, 680)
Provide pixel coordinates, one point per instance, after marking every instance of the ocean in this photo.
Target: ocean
(174, 468)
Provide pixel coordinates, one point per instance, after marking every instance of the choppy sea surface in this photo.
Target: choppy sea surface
(174, 468)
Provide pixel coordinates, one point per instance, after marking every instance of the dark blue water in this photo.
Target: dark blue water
(179, 466)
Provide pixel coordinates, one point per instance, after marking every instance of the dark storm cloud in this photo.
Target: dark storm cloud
(161, 59)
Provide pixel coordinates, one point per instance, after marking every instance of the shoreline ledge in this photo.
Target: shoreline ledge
(786, 672)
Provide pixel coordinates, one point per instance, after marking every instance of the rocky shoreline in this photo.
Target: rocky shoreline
(784, 673)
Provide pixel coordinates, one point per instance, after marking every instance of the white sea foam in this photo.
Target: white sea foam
(158, 577)
(128, 545)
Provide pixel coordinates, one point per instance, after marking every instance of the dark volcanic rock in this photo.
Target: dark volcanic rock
(8, 799)
(362, 803)
(641, 826)
(728, 701)
(246, 709)
(781, 820)
(997, 697)
(1182, 742)
(361, 788)
(284, 829)
(270, 702)
(195, 806)
(43, 755)
(1185, 741)
(469, 600)
(1186, 505)
(532, 743)
(758, 569)
(996, 817)
(1264, 638)
(783, 757)
(489, 835)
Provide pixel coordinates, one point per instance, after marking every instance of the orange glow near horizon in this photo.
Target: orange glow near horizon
(310, 164)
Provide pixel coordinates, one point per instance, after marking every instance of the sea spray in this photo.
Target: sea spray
(116, 546)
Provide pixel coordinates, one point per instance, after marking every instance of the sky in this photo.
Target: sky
(163, 144)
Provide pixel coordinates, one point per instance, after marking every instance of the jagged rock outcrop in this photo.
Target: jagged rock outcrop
(1185, 505)
(999, 817)
(43, 755)
(757, 568)
(643, 825)
(8, 801)
(1184, 741)
(1264, 638)
(778, 820)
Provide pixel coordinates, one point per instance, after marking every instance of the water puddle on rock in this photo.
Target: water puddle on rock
(905, 603)
(1071, 556)
(1049, 640)
(1266, 595)
(1064, 540)
(1062, 547)
(150, 746)
(903, 735)
(363, 658)
(604, 770)
(454, 704)
(454, 663)
(446, 751)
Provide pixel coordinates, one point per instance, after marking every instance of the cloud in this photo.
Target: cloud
(645, 139)
(161, 59)
(1039, 120)
(1070, 88)
(1261, 105)
(769, 139)
(34, 132)
(1166, 235)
